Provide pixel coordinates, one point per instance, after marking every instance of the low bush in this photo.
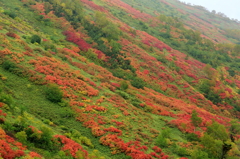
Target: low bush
(35, 39)
(53, 93)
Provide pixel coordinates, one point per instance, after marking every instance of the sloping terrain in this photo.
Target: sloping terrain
(118, 79)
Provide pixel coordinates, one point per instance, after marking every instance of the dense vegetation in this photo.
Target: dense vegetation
(99, 79)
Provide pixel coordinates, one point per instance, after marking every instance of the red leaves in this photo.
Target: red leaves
(34, 154)
(1, 104)
(100, 108)
(161, 47)
(7, 151)
(92, 92)
(71, 146)
(82, 44)
(100, 54)
(96, 131)
(153, 41)
(2, 114)
(173, 87)
(54, 80)
(130, 148)
(229, 81)
(223, 95)
(72, 53)
(145, 41)
(13, 35)
(90, 124)
(9, 148)
(237, 83)
(115, 130)
(39, 7)
(89, 108)
(146, 72)
(116, 85)
(142, 105)
(157, 149)
(158, 153)
(92, 83)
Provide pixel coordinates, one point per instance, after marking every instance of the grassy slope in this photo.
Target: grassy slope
(32, 96)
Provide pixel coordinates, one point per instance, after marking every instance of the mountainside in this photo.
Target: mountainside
(118, 79)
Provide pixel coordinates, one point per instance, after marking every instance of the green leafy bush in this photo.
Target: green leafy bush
(42, 139)
(8, 65)
(22, 137)
(10, 13)
(192, 137)
(137, 82)
(120, 73)
(162, 138)
(123, 94)
(6, 98)
(66, 112)
(53, 93)
(35, 39)
(161, 141)
(49, 46)
(123, 85)
(181, 151)
(136, 102)
(198, 154)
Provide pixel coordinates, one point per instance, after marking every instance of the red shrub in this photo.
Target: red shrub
(13, 35)
(71, 146)
(82, 44)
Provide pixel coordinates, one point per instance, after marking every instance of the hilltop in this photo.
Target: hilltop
(118, 79)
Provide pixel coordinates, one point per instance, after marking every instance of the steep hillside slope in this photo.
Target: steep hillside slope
(117, 79)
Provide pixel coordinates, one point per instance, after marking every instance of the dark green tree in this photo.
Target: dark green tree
(195, 119)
